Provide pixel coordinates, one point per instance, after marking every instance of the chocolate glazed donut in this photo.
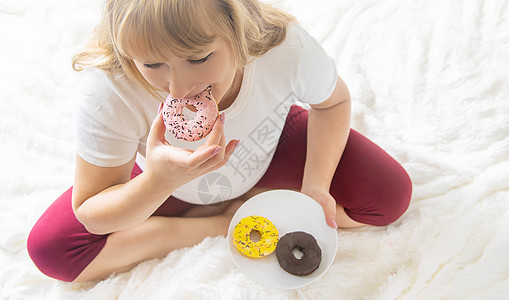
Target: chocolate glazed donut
(306, 243)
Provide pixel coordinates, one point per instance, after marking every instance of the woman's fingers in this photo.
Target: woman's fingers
(212, 155)
(202, 155)
(220, 160)
(326, 201)
(213, 150)
(232, 145)
(217, 133)
(157, 131)
(329, 209)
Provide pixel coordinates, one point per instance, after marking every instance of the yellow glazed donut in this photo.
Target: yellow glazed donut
(268, 237)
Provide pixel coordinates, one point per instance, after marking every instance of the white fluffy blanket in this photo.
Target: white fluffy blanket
(430, 83)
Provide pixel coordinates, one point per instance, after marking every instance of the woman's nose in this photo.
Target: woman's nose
(180, 86)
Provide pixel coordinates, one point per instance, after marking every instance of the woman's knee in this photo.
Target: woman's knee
(383, 204)
(59, 245)
(373, 187)
(43, 248)
(62, 252)
(396, 203)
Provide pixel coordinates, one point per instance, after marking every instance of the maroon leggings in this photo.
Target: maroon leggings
(372, 187)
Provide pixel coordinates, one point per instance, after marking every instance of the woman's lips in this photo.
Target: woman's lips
(197, 94)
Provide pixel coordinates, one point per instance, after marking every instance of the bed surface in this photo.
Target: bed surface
(430, 84)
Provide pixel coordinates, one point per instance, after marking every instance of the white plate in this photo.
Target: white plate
(289, 211)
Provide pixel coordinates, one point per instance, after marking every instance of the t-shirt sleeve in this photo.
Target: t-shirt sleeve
(104, 127)
(316, 73)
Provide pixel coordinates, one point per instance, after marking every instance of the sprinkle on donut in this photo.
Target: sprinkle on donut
(268, 237)
(190, 130)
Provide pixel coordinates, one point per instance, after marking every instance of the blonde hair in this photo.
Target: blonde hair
(147, 29)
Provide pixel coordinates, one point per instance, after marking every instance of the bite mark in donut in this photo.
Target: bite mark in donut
(190, 130)
(311, 253)
(268, 237)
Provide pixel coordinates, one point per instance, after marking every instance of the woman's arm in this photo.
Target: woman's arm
(328, 130)
(105, 200)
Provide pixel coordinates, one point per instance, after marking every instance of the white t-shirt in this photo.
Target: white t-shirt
(114, 115)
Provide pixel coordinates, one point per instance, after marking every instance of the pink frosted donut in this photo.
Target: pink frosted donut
(190, 130)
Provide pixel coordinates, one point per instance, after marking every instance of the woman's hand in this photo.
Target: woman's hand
(325, 199)
(173, 167)
(328, 130)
